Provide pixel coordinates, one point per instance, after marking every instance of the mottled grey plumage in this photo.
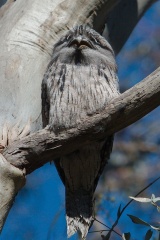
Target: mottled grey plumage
(79, 82)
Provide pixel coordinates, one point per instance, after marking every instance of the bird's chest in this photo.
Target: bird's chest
(76, 92)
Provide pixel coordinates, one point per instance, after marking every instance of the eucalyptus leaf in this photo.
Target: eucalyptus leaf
(148, 234)
(140, 221)
(153, 196)
(156, 199)
(126, 236)
(158, 209)
(140, 199)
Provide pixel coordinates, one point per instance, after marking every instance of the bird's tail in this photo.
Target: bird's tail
(79, 212)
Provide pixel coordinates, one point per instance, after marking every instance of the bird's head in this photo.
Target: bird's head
(84, 46)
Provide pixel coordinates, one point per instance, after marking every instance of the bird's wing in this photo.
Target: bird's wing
(105, 155)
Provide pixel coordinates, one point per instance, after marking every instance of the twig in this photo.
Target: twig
(123, 209)
(107, 227)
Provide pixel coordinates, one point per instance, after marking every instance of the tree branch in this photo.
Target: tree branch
(121, 21)
(43, 146)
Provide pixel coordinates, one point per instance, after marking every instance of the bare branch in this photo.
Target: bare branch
(35, 150)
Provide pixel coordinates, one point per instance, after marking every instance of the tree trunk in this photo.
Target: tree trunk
(11, 181)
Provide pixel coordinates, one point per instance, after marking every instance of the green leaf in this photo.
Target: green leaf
(126, 236)
(148, 234)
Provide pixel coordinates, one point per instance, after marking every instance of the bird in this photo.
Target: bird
(80, 80)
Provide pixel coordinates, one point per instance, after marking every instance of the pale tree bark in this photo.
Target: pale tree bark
(29, 30)
(11, 181)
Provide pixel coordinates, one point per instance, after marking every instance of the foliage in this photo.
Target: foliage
(134, 219)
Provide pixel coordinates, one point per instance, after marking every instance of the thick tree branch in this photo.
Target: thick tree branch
(35, 150)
